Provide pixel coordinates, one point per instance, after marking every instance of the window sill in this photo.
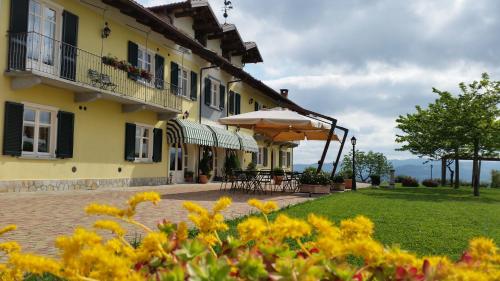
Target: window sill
(186, 98)
(38, 157)
(143, 161)
(215, 108)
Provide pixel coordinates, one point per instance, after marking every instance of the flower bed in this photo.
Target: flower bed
(127, 67)
(261, 250)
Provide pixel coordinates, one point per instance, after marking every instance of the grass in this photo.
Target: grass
(427, 221)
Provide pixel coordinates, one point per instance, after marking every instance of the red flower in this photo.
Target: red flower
(358, 277)
(466, 258)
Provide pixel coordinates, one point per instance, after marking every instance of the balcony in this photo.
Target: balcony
(34, 58)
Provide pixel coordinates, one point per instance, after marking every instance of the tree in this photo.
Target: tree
(367, 164)
(462, 125)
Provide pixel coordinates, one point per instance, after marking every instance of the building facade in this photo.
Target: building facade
(111, 93)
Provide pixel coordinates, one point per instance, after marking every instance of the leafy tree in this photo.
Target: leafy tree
(367, 163)
(463, 125)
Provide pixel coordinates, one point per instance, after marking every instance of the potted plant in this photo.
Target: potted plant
(231, 165)
(348, 179)
(251, 169)
(278, 174)
(313, 182)
(188, 176)
(375, 180)
(338, 183)
(205, 169)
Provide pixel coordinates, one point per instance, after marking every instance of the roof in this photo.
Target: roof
(157, 24)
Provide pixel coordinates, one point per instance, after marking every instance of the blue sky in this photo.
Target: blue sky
(366, 62)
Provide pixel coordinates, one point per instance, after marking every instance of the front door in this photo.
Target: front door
(176, 169)
(43, 33)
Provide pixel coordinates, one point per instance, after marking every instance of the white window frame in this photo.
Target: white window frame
(215, 93)
(149, 158)
(260, 156)
(185, 91)
(36, 131)
(141, 63)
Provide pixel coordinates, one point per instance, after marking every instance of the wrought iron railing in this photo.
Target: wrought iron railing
(51, 58)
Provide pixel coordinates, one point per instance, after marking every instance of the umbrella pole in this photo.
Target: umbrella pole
(327, 145)
(335, 165)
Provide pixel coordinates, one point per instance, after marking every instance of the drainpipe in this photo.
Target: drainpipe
(199, 112)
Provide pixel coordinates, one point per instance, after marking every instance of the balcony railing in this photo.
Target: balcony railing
(44, 56)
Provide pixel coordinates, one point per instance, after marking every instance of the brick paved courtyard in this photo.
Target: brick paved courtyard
(42, 216)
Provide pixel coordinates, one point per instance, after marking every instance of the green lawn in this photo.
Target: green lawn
(437, 221)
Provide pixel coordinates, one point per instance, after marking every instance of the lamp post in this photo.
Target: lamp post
(432, 166)
(353, 142)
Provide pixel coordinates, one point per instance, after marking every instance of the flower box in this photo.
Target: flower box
(313, 188)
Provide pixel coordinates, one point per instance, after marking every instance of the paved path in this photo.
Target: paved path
(42, 216)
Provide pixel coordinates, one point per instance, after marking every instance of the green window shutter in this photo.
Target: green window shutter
(68, 48)
(194, 85)
(13, 128)
(256, 106)
(18, 29)
(265, 156)
(208, 87)
(174, 78)
(157, 144)
(280, 161)
(237, 104)
(159, 72)
(222, 97)
(65, 134)
(231, 102)
(133, 54)
(129, 142)
(254, 158)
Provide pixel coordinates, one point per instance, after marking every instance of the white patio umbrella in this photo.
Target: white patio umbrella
(281, 124)
(275, 118)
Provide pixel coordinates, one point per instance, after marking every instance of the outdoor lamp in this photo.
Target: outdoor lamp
(106, 31)
(185, 115)
(250, 101)
(353, 141)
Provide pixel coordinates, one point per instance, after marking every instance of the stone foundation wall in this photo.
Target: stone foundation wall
(81, 184)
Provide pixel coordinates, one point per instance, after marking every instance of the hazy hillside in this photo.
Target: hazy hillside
(415, 168)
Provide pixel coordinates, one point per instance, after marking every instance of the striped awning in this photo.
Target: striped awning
(225, 138)
(184, 131)
(248, 143)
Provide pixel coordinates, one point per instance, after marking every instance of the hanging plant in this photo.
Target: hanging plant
(127, 67)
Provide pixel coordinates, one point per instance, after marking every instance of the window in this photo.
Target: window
(143, 143)
(145, 61)
(214, 92)
(184, 82)
(38, 131)
(260, 156)
(283, 158)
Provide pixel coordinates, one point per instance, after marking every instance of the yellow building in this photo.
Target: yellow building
(110, 93)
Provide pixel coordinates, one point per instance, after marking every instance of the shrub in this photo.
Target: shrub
(314, 178)
(430, 183)
(409, 182)
(375, 179)
(495, 178)
(231, 164)
(260, 250)
(347, 174)
(338, 179)
(278, 172)
(399, 178)
(252, 169)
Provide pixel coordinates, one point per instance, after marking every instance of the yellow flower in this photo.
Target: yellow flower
(285, 227)
(70, 246)
(358, 228)
(112, 226)
(9, 247)
(34, 264)
(8, 228)
(323, 226)
(221, 204)
(252, 229)
(369, 249)
(399, 257)
(152, 197)
(482, 248)
(208, 238)
(264, 207)
(194, 208)
(182, 232)
(152, 246)
(103, 209)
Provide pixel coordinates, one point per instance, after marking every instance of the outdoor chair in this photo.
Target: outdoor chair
(288, 182)
(100, 80)
(106, 82)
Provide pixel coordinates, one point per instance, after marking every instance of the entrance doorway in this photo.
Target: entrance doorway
(178, 153)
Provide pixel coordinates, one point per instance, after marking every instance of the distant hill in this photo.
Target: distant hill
(415, 168)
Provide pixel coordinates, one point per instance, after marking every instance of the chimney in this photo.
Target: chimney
(284, 93)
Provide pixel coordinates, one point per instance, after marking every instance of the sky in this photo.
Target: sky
(367, 62)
